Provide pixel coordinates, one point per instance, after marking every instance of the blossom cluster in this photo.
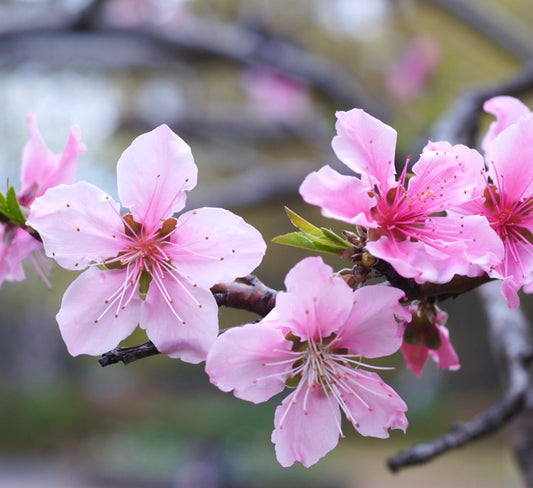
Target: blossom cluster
(452, 213)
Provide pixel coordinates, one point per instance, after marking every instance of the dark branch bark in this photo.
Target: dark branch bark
(248, 294)
(127, 355)
(483, 424)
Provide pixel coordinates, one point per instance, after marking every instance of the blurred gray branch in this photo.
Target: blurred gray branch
(81, 40)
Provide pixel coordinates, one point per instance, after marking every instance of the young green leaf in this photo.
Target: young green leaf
(302, 224)
(304, 241)
(10, 207)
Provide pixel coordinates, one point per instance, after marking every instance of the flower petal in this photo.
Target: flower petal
(341, 197)
(447, 246)
(413, 259)
(251, 361)
(15, 245)
(307, 427)
(316, 303)
(415, 356)
(42, 169)
(510, 150)
(446, 176)
(367, 146)
(90, 321)
(79, 224)
(213, 245)
(180, 319)
(445, 356)
(507, 111)
(375, 406)
(153, 174)
(373, 329)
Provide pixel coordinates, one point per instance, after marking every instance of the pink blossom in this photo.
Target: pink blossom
(427, 336)
(277, 97)
(147, 267)
(410, 75)
(314, 340)
(408, 221)
(506, 197)
(507, 111)
(41, 170)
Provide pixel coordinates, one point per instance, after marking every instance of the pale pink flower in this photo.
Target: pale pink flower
(315, 340)
(407, 221)
(41, 170)
(427, 336)
(506, 198)
(145, 268)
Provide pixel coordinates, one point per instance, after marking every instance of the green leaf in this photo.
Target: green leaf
(10, 207)
(304, 241)
(335, 237)
(312, 237)
(302, 224)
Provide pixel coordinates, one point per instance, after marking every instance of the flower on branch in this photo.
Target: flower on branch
(425, 336)
(506, 196)
(41, 170)
(317, 340)
(146, 267)
(406, 221)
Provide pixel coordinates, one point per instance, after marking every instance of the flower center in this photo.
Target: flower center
(506, 218)
(145, 263)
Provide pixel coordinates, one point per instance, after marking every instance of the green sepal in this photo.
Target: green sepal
(144, 284)
(10, 207)
(292, 382)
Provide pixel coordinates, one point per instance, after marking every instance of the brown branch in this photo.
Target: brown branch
(483, 424)
(127, 355)
(248, 293)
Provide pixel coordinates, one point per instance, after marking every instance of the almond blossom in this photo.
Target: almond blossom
(427, 336)
(314, 341)
(146, 267)
(41, 170)
(407, 220)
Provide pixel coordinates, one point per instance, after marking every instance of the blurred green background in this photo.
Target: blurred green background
(258, 120)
